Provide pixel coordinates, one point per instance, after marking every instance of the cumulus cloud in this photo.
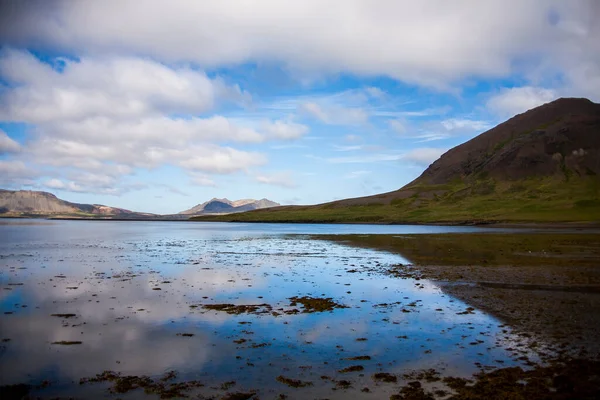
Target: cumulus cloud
(15, 169)
(16, 172)
(108, 115)
(8, 145)
(113, 87)
(60, 185)
(429, 43)
(157, 131)
(509, 102)
(215, 159)
(97, 184)
(424, 155)
(282, 179)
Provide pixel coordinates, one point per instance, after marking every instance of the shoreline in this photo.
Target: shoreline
(492, 224)
(516, 279)
(540, 289)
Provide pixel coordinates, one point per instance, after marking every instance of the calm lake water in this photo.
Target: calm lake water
(138, 290)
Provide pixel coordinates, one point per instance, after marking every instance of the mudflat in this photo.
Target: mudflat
(542, 284)
(171, 310)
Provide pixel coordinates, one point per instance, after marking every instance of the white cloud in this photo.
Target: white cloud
(356, 174)
(16, 173)
(284, 130)
(288, 146)
(517, 100)
(462, 125)
(7, 145)
(402, 114)
(92, 183)
(347, 148)
(283, 179)
(335, 115)
(438, 130)
(106, 116)
(221, 160)
(202, 180)
(111, 87)
(15, 169)
(431, 43)
(424, 156)
(398, 126)
(375, 92)
(366, 158)
(430, 137)
(421, 156)
(60, 185)
(159, 131)
(173, 189)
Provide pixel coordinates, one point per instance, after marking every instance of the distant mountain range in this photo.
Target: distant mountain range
(29, 203)
(226, 206)
(540, 166)
(36, 203)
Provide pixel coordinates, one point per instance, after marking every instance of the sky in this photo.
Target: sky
(157, 106)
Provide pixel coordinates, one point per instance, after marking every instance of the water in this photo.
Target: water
(108, 275)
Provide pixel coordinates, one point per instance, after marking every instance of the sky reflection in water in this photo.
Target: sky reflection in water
(107, 274)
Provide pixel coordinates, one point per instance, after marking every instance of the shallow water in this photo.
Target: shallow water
(108, 275)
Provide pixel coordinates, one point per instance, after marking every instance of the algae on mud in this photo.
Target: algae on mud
(315, 304)
(559, 380)
(124, 384)
(295, 383)
(238, 309)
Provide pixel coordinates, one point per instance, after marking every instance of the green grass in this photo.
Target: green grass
(484, 249)
(532, 200)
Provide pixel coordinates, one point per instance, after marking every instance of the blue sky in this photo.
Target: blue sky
(160, 107)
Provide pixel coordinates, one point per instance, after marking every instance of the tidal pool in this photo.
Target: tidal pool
(237, 308)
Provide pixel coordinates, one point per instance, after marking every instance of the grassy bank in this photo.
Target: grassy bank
(533, 200)
(485, 249)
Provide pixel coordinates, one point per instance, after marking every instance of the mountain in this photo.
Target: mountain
(225, 206)
(539, 166)
(549, 140)
(35, 203)
(28, 203)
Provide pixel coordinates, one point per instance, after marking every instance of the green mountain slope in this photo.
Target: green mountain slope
(539, 166)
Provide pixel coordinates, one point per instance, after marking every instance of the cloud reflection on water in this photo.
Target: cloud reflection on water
(130, 327)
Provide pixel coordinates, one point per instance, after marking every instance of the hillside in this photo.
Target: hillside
(539, 166)
(226, 206)
(31, 203)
